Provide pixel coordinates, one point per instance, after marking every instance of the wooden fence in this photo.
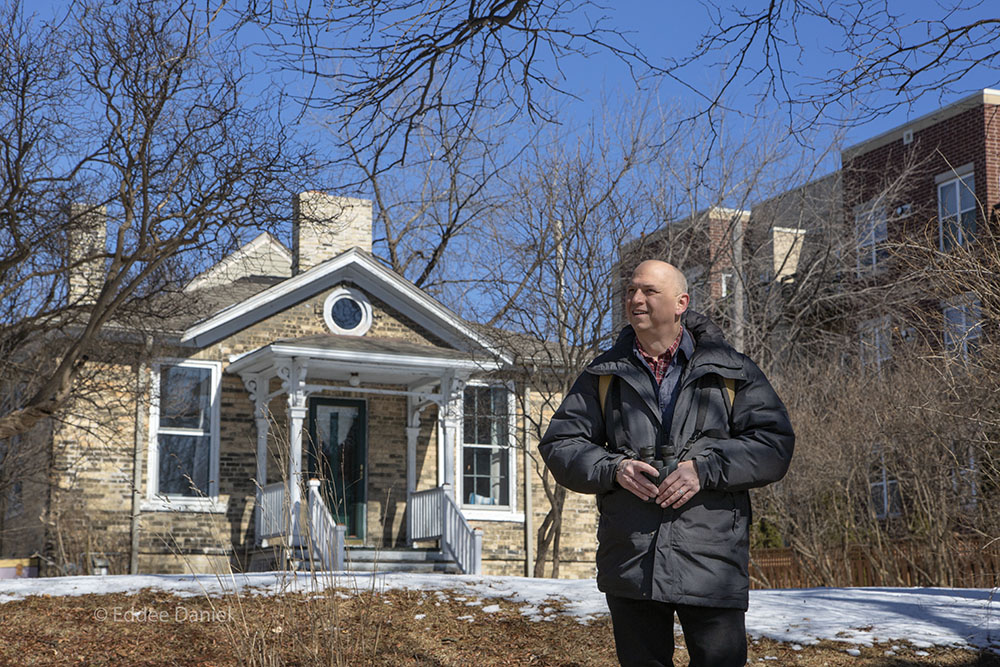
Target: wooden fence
(964, 564)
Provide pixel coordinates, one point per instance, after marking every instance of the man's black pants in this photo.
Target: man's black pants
(644, 633)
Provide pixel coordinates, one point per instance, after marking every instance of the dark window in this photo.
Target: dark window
(184, 433)
(486, 446)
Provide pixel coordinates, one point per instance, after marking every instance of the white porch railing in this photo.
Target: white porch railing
(434, 515)
(326, 537)
(425, 512)
(272, 515)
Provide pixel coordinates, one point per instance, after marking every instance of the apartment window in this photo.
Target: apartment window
(885, 497)
(872, 233)
(486, 446)
(184, 430)
(956, 211)
(963, 475)
(963, 326)
(876, 342)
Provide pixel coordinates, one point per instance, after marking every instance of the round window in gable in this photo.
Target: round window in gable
(347, 311)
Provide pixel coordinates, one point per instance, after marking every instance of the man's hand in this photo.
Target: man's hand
(679, 486)
(630, 476)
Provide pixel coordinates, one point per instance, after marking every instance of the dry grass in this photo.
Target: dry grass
(390, 628)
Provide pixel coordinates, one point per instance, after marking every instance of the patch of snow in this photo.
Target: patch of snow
(491, 608)
(924, 617)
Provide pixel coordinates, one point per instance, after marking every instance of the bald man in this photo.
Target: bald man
(673, 534)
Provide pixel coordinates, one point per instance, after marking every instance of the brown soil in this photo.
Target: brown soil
(391, 628)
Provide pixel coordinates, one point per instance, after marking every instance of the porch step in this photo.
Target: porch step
(366, 559)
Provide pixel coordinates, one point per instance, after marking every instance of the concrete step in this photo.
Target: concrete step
(358, 559)
(396, 555)
(361, 559)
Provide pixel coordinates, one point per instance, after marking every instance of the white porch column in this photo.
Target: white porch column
(257, 386)
(294, 376)
(412, 433)
(450, 414)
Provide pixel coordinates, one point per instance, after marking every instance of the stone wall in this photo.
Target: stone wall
(324, 226)
(578, 542)
(92, 456)
(24, 492)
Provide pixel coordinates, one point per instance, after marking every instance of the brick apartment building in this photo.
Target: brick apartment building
(935, 179)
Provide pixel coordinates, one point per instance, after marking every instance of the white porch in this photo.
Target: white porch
(291, 510)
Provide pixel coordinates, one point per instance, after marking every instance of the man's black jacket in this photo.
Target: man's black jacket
(696, 554)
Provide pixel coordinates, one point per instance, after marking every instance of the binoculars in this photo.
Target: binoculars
(664, 466)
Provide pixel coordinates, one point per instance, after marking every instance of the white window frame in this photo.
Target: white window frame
(871, 228)
(155, 501)
(727, 280)
(969, 307)
(360, 299)
(880, 330)
(488, 512)
(964, 175)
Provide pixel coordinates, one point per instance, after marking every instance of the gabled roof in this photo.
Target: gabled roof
(362, 269)
(264, 256)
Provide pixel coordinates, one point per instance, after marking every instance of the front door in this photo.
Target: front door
(338, 457)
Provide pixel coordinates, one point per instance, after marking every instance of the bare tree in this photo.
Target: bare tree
(877, 55)
(428, 210)
(549, 256)
(383, 67)
(897, 457)
(135, 111)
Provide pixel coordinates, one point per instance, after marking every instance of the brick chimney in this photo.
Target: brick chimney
(86, 235)
(323, 226)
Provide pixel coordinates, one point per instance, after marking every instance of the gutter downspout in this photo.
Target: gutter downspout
(141, 387)
(529, 544)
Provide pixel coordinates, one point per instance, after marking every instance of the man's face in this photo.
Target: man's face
(652, 300)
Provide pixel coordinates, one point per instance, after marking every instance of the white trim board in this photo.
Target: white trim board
(360, 268)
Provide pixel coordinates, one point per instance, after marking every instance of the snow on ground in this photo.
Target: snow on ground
(924, 617)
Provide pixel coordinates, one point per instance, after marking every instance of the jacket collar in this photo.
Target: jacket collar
(710, 346)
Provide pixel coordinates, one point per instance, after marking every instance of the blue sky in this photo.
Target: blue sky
(665, 30)
(672, 29)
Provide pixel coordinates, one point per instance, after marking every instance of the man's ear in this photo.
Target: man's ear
(682, 303)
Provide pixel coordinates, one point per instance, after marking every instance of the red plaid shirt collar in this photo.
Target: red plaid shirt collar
(660, 364)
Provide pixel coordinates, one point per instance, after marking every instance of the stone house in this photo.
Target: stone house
(286, 392)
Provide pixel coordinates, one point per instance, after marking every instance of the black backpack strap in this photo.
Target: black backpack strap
(699, 423)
